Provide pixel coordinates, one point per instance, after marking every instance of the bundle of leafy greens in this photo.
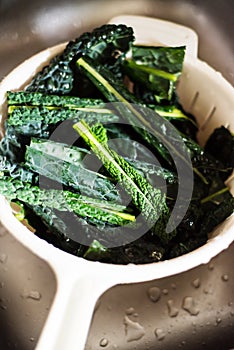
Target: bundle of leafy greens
(91, 149)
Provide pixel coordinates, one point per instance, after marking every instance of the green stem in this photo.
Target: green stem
(213, 195)
(151, 70)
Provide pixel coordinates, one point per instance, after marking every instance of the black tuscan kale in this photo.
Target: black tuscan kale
(104, 44)
(107, 192)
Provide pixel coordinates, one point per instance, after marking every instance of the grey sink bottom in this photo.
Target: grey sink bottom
(194, 310)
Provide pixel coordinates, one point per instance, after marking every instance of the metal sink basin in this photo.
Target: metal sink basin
(27, 27)
(194, 310)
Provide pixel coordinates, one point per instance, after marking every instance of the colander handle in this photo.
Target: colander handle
(160, 32)
(69, 319)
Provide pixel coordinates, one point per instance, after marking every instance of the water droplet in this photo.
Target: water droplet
(3, 258)
(130, 311)
(160, 334)
(3, 307)
(133, 330)
(165, 291)
(103, 342)
(230, 303)
(32, 339)
(232, 313)
(34, 294)
(196, 283)
(225, 277)
(173, 286)
(172, 310)
(189, 306)
(218, 321)
(211, 266)
(207, 291)
(154, 294)
(1, 284)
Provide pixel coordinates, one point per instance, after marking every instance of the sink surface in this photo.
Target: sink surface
(27, 285)
(27, 27)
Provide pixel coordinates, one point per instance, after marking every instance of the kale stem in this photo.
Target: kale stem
(213, 195)
(153, 71)
(198, 173)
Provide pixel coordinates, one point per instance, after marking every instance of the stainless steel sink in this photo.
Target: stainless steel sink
(27, 285)
(27, 27)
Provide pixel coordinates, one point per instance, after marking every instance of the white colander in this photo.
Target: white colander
(204, 93)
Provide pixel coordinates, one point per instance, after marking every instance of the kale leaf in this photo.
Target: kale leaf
(221, 146)
(104, 44)
(93, 209)
(37, 114)
(66, 165)
(156, 70)
(149, 200)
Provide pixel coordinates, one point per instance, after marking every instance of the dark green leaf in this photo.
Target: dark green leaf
(147, 199)
(65, 201)
(60, 76)
(41, 121)
(24, 98)
(156, 69)
(221, 145)
(66, 165)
